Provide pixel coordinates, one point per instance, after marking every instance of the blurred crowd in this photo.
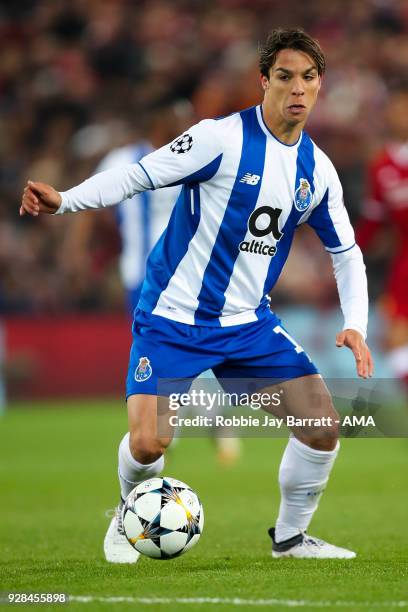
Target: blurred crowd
(78, 77)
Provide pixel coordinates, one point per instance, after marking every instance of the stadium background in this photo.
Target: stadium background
(77, 78)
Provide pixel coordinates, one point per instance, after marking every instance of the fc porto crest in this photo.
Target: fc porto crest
(143, 370)
(303, 195)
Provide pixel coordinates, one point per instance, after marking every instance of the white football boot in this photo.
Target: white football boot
(116, 547)
(303, 546)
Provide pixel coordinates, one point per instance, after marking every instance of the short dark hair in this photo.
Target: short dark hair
(294, 38)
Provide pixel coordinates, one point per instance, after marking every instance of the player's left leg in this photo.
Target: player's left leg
(264, 354)
(305, 467)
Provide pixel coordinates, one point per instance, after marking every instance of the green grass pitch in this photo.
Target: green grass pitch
(58, 479)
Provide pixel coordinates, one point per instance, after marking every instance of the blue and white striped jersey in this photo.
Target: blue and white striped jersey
(244, 194)
(141, 218)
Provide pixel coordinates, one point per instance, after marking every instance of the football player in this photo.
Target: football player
(386, 208)
(249, 180)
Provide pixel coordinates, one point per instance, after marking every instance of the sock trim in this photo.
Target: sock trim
(312, 454)
(285, 544)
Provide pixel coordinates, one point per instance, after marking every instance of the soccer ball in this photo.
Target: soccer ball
(163, 518)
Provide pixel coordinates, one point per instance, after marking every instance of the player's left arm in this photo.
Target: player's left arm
(331, 222)
(351, 279)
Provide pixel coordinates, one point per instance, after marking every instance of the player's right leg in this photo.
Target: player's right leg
(164, 358)
(140, 458)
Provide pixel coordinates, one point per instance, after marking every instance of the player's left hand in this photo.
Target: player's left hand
(355, 341)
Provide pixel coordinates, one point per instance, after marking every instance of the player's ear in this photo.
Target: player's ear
(264, 82)
(319, 78)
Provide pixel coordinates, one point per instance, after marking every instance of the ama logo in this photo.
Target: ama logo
(303, 195)
(144, 370)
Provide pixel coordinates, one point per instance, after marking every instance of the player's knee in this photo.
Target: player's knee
(146, 449)
(323, 443)
(323, 438)
(324, 433)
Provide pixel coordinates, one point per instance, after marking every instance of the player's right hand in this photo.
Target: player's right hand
(39, 198)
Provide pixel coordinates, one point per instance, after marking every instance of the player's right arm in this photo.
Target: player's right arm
(39, 198)
(193, 157)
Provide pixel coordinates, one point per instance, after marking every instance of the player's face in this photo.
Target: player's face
(292, 88)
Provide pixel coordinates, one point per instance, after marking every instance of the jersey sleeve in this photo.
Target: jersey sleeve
(351, 279)
(195, 156)
(330, 219)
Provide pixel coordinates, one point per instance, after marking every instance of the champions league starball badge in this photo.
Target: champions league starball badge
(182, 144)
(143, 370)
(303, 195)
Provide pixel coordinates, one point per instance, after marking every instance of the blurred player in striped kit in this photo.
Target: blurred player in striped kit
(142, 218)
(249, 180)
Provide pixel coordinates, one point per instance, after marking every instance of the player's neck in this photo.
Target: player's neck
(287, 133)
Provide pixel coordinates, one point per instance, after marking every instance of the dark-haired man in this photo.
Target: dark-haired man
(248, 181)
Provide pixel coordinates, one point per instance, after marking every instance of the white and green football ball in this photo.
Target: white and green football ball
(163, 518)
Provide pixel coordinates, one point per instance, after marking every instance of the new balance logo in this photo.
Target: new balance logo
(250, 179)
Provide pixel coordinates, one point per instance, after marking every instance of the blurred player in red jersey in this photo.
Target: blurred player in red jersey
(387, 208)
